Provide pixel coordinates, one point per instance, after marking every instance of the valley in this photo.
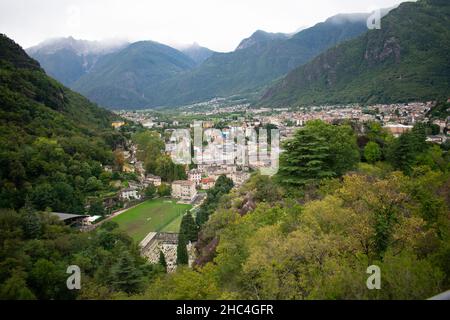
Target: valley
(311, 165)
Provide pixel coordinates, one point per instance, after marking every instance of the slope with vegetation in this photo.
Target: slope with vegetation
(127, 78)
(313, 233)
(257, 62)
(406, 60)
(149, 74)
(53, 141)
(68, 59)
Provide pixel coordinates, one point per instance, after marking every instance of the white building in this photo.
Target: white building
(184, 190)
(195, 176)
(208, 183)
(151, 179)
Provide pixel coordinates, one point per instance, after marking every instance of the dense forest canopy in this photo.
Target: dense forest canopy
(54, 142)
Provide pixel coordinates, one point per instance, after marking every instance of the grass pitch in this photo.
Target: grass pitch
(152, 215)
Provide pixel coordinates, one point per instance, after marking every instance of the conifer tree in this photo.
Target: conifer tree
(182, 254)
(162, 260)
(305, 159)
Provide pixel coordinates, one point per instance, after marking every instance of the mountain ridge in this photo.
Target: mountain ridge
(406, 60)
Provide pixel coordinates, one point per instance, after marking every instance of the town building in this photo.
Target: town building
(195, 176)
(207, 183)
(151, 179)
(184, 190)
(117, 124)
(397, 129)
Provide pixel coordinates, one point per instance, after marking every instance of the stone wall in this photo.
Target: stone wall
(167, 243)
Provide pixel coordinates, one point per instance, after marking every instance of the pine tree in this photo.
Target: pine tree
(124, 274)
(162, 260)
(182, 254)
(188, 228)
(305, 159)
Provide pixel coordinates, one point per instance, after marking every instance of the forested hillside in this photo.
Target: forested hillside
(52, 145)
(129, 77)
(150, 74)
(53, 141)
(257, 62)
(339, 203)
(406, 60)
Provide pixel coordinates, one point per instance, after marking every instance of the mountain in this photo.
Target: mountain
(128, 78)
(407, 59)
(246, 70)
(196, 52)
(67, 59)
(258, 37)
(149, 74)
(49, 136)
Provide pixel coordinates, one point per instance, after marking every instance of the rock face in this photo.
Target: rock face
(406, 60)
(156, 242)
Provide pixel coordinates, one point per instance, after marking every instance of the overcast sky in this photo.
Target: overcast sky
(217, 24)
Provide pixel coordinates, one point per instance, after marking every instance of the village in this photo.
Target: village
(222, 157)
(219, 154)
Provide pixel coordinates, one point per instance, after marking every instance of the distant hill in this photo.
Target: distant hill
(260, 36)
(257, 62)
(407, 59)
(196, 52)
(128, 78)
(68, 59)
(149, 74)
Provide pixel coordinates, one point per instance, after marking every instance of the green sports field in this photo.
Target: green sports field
(152, 215)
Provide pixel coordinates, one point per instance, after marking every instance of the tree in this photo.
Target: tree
(150, 147)
(188, 233)
(96, 208)
(169, 171)
(182, 253)
(223, 186)
(162, 260)
(119, 159)
(305, 159)
(188, 228)
(125, 275)
(342, 145)
(15, 288)
(404, 150)
(372, 152)
(93, 184)
(150, 191)
(164, 190)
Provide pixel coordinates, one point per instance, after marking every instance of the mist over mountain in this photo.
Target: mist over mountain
(406, 60)
(247, 70)
(258, 37)
(127, 77)
(67, 59)
(148, 74)
(196, 52)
